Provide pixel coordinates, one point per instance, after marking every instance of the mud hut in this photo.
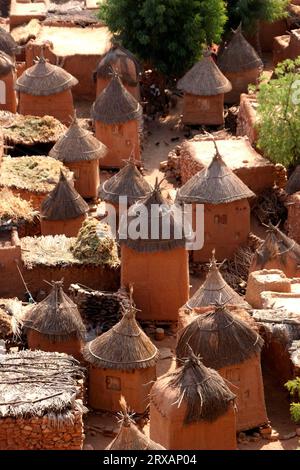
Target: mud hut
(80, 151)
(192, 408)
(230, 346)
(129, 183)
(122, 362)
(278, 251)
(204, 87)
(226, 208)
(55, 324)
(7, 43)
(214, 289)
(130, 437)
(8, 99)
(46, 89)
(41, 406)
(241, 64)
(117, 116)
(125, 64)
(63, 211)
(156, 262)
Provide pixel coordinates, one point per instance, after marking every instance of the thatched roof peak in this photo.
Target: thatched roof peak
(216, 184)
(125, 346)
(77, 144)
(238, 55)
(64, 202)
(200, 389)
(122, 61)
(127, 182)
(277, 244)
(130, 437)
(6, 64)
(204, 79)
(7, 43)
(215, 289)
(115, 104)
(56, 316)
(44, 79)
(220, 338)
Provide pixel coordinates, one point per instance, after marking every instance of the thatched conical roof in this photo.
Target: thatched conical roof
(219, 338)
(293, 184)
(130, 437)
(7, 43)
(202, 391)
(238, 55)
(56, 316)
(204, 79)
(115, 104)
(64, 202)
(6, 64)
(277, 245)
(44, 79)
(215, 289)
(153, 223)
(77, 144)
(127, 182)
(216, 184)
(123, 62)
(125, 346)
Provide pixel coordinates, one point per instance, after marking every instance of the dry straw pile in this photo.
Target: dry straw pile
(15, 208)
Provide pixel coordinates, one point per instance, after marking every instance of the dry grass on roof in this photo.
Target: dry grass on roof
(22, 34)
(31, 130)
(15, 208)
(38, 174)
(37, 383)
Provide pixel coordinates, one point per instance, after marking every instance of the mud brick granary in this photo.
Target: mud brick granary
(55, 324)
(230, 346)
(8, 99)
(240, 63)
(157, 265)
(226, 208)
(63, 211)
(45, 89)
(122, 362)
(192, 408)
(125, 64)
(81, 152)
(204, 87)
(8, 44)
(117, 115)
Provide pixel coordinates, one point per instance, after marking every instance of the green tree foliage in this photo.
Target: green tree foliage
(279, 115)
(167, 34)
(249, 12)
(293, 387)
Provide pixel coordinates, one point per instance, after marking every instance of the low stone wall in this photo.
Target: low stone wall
(247, 118)
(35, 433)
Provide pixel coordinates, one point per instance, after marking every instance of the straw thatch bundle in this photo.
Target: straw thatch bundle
(293, 184)
(14, 208)
(120, 58)
(38, 174)
(238, 55)
(64, 202)
(215, 289)
(201, 390)
(216, 184)
(127, 182)
(277, 244)
(165, 218)
(95, 244)
(44, 79)
(23, 33)
(31, 130)
(115, 104)
(125, 346)
(48, 251)
(204, 79)
(219, 338)
(6, 64)
(5, 325)
(37, 383)
(56, 317)
(77, 145)
(130, 437)
(7, 43)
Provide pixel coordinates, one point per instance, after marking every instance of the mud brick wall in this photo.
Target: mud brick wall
(247, 119)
